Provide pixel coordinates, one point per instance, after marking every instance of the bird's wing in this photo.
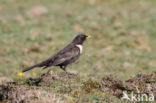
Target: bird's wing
(66, 54)
(51, 61)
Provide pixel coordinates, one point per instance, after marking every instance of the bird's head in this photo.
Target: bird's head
(79, 39)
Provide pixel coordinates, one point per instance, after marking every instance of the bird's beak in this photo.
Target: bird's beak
(89, 36)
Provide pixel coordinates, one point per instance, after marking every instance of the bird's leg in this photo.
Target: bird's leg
(64, 68)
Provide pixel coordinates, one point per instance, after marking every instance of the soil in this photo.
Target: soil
(14, 92)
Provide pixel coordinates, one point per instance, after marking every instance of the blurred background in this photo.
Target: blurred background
(123, 35)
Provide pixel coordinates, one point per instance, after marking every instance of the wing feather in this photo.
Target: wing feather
(66, 55)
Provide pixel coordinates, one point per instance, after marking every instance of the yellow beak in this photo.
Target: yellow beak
(89, 36)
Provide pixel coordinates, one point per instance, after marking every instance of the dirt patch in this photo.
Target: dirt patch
(36, 11)
(90, 85)
(141, 83)
(33, 91)
(112, 84)
(14, 93)
(4, 80)
(45, 78)
(50, 77)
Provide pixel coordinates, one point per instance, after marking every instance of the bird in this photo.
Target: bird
(66, 56)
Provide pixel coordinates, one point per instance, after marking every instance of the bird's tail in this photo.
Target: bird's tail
(29, 68)
(44, 64)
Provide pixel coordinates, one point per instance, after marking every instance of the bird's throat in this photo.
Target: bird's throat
(80, 47)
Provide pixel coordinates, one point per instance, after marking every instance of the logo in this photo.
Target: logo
(138, 96)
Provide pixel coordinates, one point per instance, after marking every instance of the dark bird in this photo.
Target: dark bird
(64, 57)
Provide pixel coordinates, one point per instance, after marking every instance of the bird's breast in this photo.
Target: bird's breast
(80, 47)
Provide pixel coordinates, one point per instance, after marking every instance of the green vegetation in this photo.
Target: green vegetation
(123, 41)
